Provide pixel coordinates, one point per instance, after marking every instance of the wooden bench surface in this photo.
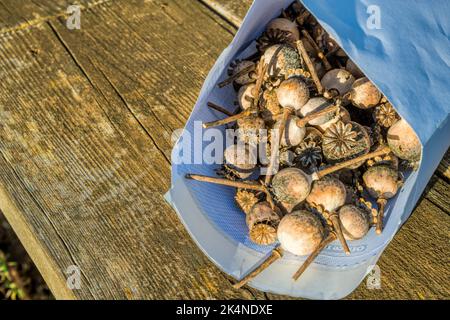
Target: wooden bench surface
(85, 140)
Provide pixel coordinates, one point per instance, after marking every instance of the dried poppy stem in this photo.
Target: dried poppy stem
(243, 114)
(230, 79)
(276, 254)
(301, 123)
(220, 109)
(334, 218)
(249, 185)
(331, 237)
(312, 70)
(322, 173)
(304, 121)
(262, 70)
(273, 155)
(269, 197)
(381, 205)
(320, 54)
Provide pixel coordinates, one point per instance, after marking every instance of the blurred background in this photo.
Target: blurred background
(19, 278)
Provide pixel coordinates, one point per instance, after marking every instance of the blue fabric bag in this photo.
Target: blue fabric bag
(405, 52)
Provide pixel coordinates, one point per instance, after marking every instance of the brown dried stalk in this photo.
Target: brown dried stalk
(337, 226)
(250, 185)
(320, 54)
(333, 219)
(262, 69)
(309, 64)
(304, 121)
(331, 237)
(286, 113)
(322, 173)
(381, 205)
(301, 123)
(230, 79)
(243, 114)
(276, 254)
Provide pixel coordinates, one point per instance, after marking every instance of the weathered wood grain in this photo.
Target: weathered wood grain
(438, 192)
(231, 10)
(20, 14)
(82, 178)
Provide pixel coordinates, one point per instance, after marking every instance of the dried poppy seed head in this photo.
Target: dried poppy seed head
(293, 93)
(355, 222)
(293, 134)
(338, 79)
(245, 96)
(329, 193)
(342, 141)
(315, 105)
(300, 232)
(309, 154)
(389, 159)
(246, 200)
(287, 26)
(263, 234)
(385, 115)
(242, 158)
(239, 66)
(364, 94)
(282, 60)
(353, 69)
(291, 186)
(249, 129)
(381, 181)
(272, 37)
(404, 142)
(262, 222)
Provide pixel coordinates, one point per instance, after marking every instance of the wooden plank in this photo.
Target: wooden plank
(20, 14)
(161, 82)
(82, 178)
(444, 166)
(232, 10)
